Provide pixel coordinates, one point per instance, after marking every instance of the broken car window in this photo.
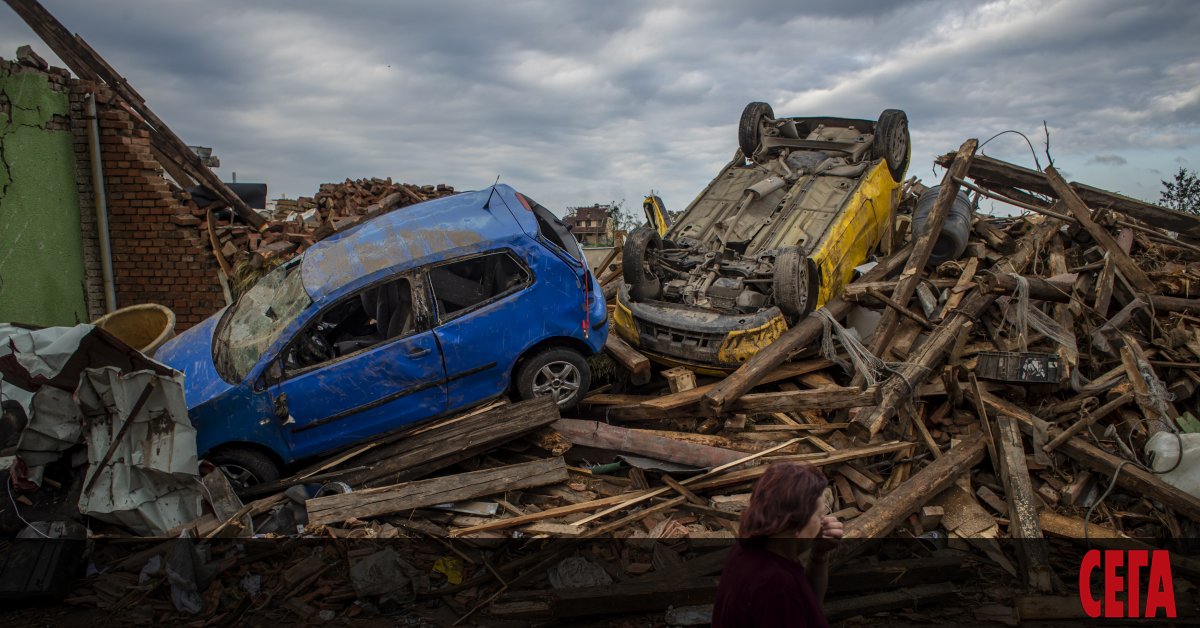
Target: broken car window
(256, 320)
(466, 283)
(553, 229)
(369, 317)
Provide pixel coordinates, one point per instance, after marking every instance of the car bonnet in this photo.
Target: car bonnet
(191, 354)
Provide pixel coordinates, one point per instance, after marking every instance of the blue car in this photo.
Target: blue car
(416, 314)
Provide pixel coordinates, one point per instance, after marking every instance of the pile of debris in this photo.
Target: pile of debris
(1061, 348)
(245, 252)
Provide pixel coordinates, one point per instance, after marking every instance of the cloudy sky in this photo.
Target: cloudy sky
(582, 102)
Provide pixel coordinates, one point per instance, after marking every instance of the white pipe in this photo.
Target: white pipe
(101, 201)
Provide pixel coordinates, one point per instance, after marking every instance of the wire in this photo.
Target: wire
(17, 510)
(1031, 148)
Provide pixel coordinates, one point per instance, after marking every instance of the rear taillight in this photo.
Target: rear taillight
(525, 202)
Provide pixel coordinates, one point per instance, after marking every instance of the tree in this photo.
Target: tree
(1183, 193)
(623, 220)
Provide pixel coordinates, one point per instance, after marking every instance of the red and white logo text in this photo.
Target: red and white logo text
(1136, 583)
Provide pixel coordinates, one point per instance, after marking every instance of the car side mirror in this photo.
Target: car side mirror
(272, 375)
(275, 372)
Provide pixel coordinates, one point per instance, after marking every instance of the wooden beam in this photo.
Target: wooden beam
(629, 358)
(1125, 264)
(603, 436)
(424, 493)
(988, 169)
(798, 337)
(442, 444)
(1039, 288)
(895, 507)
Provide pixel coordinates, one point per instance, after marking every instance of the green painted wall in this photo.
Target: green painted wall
(41, 249)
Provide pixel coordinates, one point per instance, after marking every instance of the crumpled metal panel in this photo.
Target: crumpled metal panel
(151, 482)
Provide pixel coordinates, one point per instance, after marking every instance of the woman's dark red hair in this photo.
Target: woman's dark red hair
(783, 501)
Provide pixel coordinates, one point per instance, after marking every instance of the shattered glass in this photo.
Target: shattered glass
(255, 322)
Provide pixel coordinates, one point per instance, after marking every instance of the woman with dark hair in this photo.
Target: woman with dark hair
(764, 583)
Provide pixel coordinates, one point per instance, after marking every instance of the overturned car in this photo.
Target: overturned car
(777, 233)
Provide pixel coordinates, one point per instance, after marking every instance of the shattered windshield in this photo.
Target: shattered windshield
(257, 319)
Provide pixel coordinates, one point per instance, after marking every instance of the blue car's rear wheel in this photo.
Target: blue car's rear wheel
(559, 373)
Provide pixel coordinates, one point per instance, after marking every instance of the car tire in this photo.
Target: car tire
(750, 127)
(892, 141)
(244, 467)
(557, 371)
(643, 283)
(794, 283)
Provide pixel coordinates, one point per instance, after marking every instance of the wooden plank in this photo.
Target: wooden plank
(692, 482)
(795, 339)
(603, 436)
(1022, 507)
(668, 406)
(1125, 264)
(896, 506)
(790, 401)
(440, 445)
(552, 513)
(629, 358)
(423, 493)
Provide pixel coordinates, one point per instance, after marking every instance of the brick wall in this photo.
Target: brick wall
(158, 254)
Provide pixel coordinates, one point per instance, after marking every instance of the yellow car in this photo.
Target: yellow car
(777, 233)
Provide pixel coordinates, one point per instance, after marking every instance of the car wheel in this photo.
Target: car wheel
(750, 127)
(635, 263)
(244, 467)
(892, 141)
(559, 373)
(793, 283)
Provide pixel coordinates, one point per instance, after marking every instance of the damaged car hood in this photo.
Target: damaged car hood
(191, 353)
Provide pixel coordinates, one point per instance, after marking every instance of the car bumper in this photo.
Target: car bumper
(680, 335)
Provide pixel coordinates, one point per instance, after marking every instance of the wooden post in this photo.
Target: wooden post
(1022, 508)
(914, 269)
(1129, 269)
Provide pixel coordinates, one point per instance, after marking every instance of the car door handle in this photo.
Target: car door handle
(418, 353)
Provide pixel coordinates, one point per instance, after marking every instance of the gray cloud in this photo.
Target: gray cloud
(1108, 160)
(576, 103)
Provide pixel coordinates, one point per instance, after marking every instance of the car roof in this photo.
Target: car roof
(414, 236)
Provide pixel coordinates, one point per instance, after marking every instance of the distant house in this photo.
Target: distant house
(592, 226)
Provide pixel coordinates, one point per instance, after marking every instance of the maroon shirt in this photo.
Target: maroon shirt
(761, 589)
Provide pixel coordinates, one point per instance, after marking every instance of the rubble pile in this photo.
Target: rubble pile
(1043, 384)
(244, 252)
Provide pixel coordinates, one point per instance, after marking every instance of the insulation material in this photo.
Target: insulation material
(150, 481)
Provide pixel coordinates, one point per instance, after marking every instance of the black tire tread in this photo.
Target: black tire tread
(749, 131)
